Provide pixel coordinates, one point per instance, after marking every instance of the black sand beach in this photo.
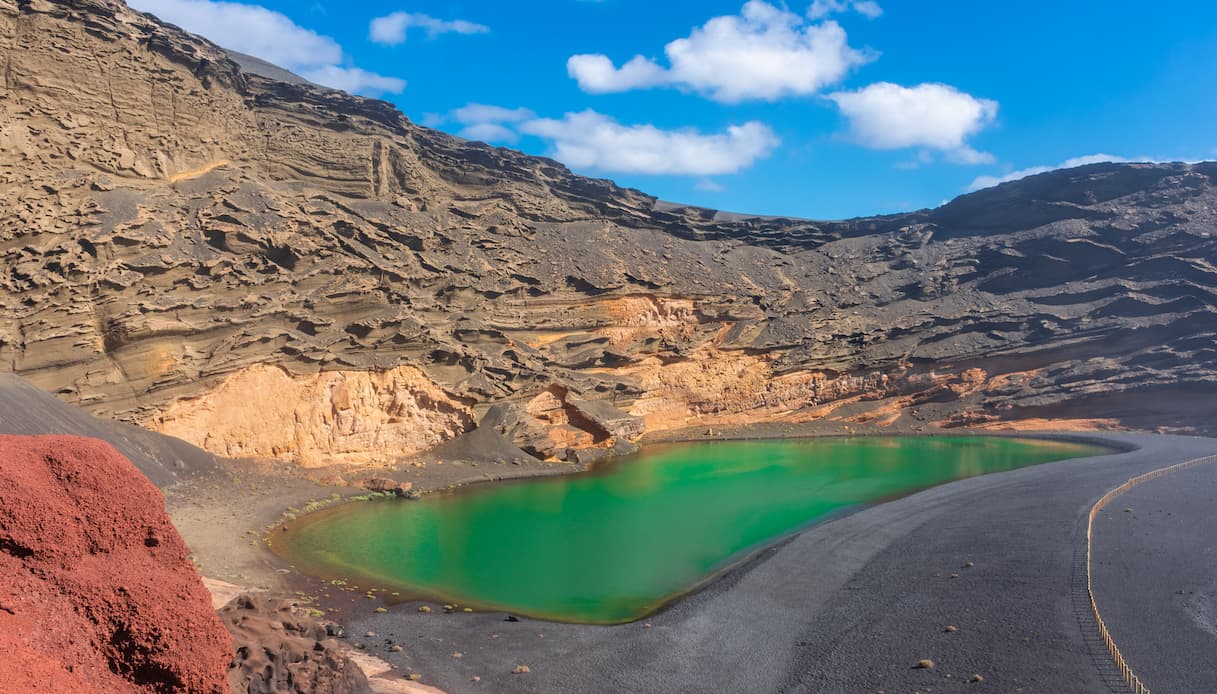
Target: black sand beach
(1155, 578)
(848, 606)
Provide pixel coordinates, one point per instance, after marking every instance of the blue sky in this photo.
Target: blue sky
(822, 109)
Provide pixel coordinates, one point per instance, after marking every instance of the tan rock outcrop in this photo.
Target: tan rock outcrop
(330, 417)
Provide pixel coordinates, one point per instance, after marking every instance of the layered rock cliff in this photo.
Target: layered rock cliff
(276, 269)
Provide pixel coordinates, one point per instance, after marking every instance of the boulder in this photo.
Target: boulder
(384, 485)
(279, 648)
(606, 416)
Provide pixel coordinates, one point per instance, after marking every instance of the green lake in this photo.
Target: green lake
(614, 544)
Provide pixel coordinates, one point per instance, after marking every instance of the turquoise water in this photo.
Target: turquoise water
(614, 544)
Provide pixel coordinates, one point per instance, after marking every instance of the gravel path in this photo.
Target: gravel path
(847, 606)
(1155, 578)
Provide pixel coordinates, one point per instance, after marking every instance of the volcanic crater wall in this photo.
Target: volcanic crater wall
(278, 269)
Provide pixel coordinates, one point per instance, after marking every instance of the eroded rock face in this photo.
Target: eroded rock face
(96, 591)
(174, 226)
(281, 650)
(326, 418)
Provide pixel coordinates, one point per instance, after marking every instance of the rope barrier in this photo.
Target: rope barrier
(1126, 672)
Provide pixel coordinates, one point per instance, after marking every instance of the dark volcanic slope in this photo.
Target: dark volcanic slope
(187, 245)
(27, 410)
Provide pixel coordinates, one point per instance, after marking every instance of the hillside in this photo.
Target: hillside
(275, 269)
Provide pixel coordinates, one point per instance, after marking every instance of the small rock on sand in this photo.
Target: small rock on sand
(924, 664)
(520, 670)
(384, 485)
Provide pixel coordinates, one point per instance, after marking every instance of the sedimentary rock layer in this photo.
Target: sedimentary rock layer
(172, 226)
(317, 419)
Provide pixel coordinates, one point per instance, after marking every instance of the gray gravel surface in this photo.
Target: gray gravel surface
(846, 606)
(1155, 578)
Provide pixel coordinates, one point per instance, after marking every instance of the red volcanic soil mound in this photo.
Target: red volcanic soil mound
(96, 590)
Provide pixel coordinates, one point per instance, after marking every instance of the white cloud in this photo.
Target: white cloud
(485, 113)
(354, 80)
(489, 123)
(247, 28)
(989, 181)
(590, 140)
(933, 116)
(764, 52)
(273, 37)
(391, 29)
(593, 141)
(489, 132)
(823, 8)
(596, 73)
(706, 185)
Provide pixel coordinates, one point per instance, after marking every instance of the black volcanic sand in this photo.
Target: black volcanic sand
(1155, 578)
(847, 606)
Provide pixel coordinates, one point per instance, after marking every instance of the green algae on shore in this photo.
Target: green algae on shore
(614, 544)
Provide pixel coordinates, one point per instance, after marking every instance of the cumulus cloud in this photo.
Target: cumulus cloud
(590, 140)
(353, 80)
(391, 29)
(489, 123)
(593, 141)
(932, 116)
(764, 52)
(485, 113)
(989, 181)
(823, 8)
(489, 132)
(273, 37)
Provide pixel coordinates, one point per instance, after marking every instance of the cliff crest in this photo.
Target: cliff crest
(173, 223)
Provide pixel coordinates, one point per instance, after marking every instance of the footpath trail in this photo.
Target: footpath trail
(850, 605)
(1155, 578)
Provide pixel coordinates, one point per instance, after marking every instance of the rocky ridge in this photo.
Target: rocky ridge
(192, 247)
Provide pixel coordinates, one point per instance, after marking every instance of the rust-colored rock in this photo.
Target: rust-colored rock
(96, 591)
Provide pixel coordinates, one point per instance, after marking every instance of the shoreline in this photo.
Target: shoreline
(393, 595)
(276, 576)
(784, 600)
(236, 515)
